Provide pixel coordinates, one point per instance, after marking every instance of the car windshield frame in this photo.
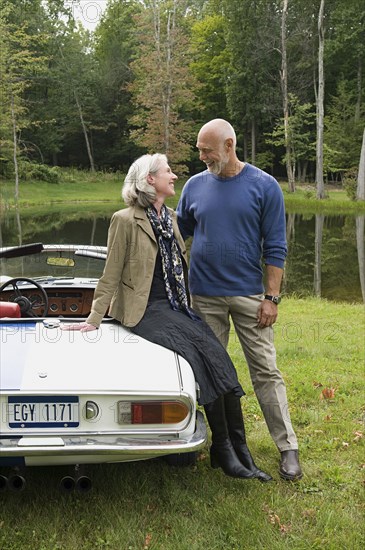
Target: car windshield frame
(84, 261)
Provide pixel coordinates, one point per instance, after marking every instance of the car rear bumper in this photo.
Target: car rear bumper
(96, 448)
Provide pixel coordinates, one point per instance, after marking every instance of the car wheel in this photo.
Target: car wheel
(183, 459)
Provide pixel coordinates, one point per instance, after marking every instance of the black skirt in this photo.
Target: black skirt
(194, 341)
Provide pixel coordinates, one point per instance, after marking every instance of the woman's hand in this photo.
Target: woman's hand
(82, 327)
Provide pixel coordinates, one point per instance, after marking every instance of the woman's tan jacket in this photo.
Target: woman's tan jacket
(125, 284)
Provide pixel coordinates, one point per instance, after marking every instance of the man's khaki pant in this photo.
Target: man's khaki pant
(259, 350)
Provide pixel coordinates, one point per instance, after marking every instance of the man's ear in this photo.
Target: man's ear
(228, 143)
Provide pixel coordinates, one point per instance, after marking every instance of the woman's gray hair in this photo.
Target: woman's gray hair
(136, 189)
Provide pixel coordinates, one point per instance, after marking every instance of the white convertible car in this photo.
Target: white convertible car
(72, 398)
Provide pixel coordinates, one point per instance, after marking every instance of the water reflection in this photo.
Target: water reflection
(326, 256)
(325, 253)
(318, 254)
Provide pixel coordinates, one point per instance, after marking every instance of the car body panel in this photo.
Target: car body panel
(43, 366)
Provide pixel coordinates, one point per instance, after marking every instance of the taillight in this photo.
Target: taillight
(151, 412)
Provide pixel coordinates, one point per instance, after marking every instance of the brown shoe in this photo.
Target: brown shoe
(289, 465)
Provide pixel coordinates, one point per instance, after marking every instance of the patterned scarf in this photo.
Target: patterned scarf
(172, 266)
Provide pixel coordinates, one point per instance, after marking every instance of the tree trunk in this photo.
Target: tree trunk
(320, 105)
(170, 27)
(360, 193)
(359, 91)
(284, 91)
(361, 252)
(304, 171)
(245, 145)
(15, 155)
(84, 129)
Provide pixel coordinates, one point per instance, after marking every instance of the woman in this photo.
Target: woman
(144, 287)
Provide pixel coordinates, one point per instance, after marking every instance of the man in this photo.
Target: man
(235, 212)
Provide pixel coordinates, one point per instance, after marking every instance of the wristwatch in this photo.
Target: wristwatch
(275, 299)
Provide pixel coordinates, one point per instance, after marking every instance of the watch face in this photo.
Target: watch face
(275, 299)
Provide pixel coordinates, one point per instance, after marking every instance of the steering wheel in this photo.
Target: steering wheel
(28, 306)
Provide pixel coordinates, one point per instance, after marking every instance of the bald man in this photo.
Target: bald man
(235, 213)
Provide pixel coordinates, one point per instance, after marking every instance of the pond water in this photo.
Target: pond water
(326, 253)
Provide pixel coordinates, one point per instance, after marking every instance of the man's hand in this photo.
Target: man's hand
(82, 327)
(267, 314)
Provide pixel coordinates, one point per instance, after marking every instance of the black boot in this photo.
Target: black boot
(221, 452)
(237, 434)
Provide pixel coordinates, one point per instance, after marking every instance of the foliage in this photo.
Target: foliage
(209, 65)
(21, 64)
(300, 131)
(350, 183)
(115, 43)
(342, 131)
(155, 70)
(30, 171)
(253, 89)
(161, 65)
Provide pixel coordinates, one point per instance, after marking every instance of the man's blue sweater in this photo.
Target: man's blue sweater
(236, 222)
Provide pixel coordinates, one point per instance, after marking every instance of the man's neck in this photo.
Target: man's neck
(232, 169)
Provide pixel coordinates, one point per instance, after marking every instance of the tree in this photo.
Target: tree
(20, 64)
(74, 64)
(253, 87)
(116, 42)
(320, 105)
(284, 90)
(342, 132)
(162, 89)
(360, 194)
(209, 65)
(299, 133)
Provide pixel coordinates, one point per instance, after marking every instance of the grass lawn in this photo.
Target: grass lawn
(83, 187)
(153, 506)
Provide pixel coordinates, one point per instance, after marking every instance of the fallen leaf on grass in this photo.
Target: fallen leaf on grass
(345, 444)
(328, 417)
(310, 513)
(358, 436)
(147, 541)
(284, 528)
(317, 384)
(328, 393)
(275, 520)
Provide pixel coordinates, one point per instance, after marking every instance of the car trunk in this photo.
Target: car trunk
(37, 359)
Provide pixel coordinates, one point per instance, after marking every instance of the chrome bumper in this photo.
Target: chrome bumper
(112, 448)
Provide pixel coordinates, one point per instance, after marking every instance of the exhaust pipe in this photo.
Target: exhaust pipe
(3, 483)
(83, 484)
(16, 482)
(67, 484)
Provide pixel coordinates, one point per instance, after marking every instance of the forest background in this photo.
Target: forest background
(288, 74)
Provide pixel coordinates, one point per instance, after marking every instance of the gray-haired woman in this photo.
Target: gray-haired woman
(144, 285)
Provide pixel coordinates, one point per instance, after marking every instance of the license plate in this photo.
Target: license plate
(52, 411)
